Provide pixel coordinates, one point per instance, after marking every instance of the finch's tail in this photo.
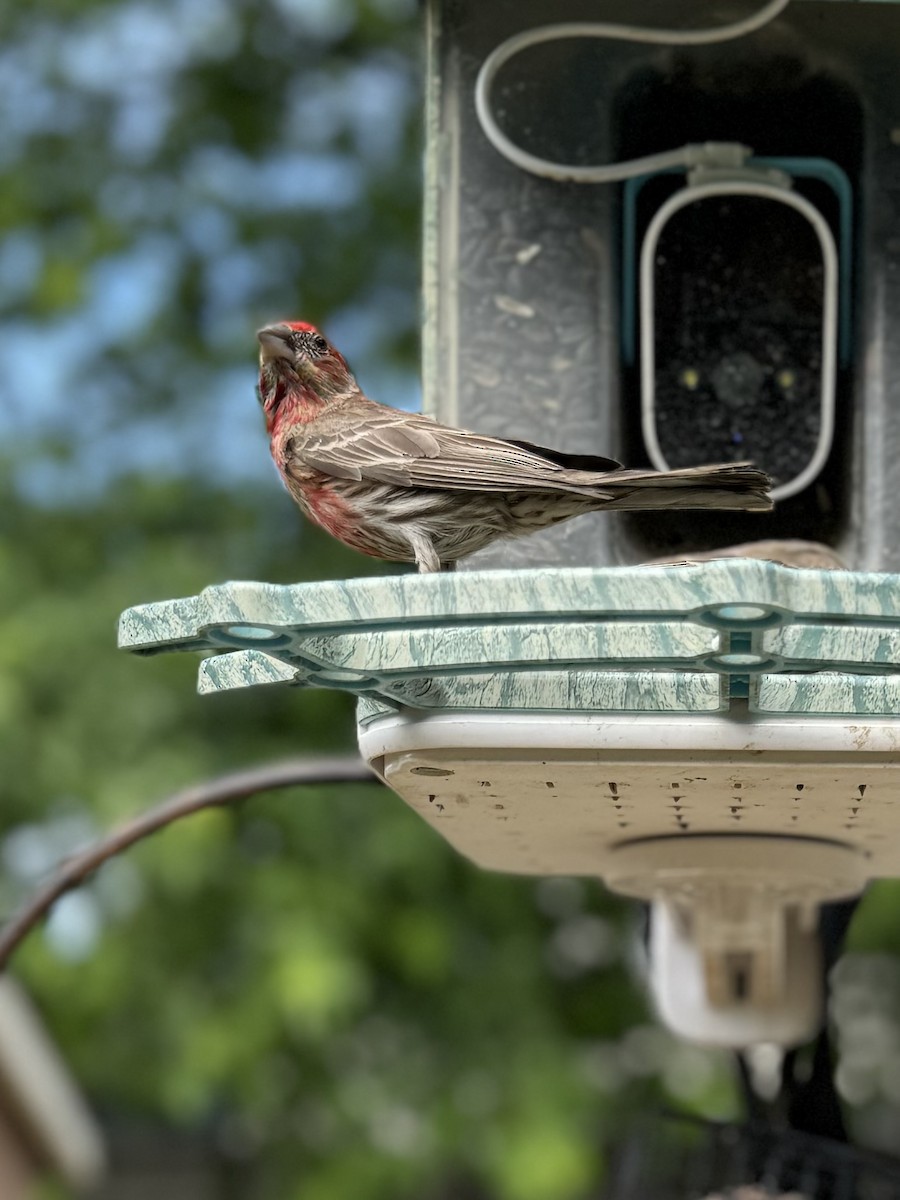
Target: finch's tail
(736, 485)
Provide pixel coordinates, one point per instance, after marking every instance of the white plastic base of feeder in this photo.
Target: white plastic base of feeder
(734, 953)
(736, 831)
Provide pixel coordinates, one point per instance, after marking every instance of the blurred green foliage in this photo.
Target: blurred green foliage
(313, 980)
(314, 972)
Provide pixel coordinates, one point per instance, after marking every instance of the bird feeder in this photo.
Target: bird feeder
(735, 304)
(718, 739)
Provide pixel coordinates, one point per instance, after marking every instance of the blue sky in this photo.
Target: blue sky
(59, 376)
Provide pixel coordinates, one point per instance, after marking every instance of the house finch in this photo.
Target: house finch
(399, 486)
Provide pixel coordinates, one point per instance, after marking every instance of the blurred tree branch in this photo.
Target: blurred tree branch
(213, 793)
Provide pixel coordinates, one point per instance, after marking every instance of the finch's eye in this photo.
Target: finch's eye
(319, 344)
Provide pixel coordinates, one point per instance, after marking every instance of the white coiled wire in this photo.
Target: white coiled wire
(684, 156)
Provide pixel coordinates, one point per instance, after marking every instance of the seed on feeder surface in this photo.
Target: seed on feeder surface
(515, 308)
(524, 256)
(690, 378)
(785, 379)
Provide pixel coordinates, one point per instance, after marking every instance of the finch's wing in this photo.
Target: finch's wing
(409, 450)
(572, 462)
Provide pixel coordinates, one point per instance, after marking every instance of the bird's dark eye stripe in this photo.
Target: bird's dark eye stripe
(308, 342)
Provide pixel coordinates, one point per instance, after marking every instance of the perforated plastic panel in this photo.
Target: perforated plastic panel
(562, 796)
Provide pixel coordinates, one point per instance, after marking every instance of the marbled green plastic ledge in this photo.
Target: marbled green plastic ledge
(688, 639)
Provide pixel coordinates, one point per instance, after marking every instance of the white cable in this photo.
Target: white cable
(685, 156)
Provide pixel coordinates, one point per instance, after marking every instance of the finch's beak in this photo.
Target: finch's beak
(273, 342)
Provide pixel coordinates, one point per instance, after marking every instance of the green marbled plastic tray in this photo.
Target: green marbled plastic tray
(684, 639)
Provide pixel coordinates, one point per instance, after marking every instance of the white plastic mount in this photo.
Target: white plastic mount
(734, 955)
